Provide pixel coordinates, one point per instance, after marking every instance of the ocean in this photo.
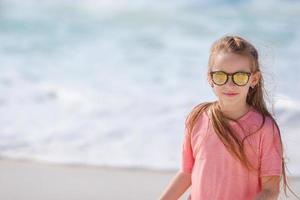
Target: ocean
(111, 82)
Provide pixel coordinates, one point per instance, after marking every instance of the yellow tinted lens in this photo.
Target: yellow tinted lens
(240, 78)
(219, 78)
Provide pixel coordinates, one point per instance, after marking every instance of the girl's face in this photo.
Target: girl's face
(230, 93)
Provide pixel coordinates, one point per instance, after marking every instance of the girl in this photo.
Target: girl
(232, 148)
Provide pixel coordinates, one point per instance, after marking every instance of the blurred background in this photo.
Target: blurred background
(110, 82)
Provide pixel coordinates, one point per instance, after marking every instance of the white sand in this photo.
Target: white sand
(28, 180)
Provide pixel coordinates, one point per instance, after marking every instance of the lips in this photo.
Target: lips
(230, 93)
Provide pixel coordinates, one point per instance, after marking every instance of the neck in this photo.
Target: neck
(234, 111)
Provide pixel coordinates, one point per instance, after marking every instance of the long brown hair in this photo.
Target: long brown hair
(255, 98)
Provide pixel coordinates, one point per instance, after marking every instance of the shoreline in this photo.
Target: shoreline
(35, 180)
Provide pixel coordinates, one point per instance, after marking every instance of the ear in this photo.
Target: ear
(255, 79)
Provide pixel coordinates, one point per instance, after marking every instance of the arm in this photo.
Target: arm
(179, 184)
(270, 188)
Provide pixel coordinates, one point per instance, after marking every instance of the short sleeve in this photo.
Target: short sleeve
(270, 152)
(187, 161)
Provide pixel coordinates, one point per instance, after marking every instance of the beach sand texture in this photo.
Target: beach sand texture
(30, 180)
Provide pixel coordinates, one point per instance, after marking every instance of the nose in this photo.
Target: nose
(230, 82)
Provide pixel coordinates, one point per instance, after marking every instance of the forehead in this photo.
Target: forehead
(230, 62)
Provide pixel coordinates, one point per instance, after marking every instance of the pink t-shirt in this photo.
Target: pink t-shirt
(215, 173)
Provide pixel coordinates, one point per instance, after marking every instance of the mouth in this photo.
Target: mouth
(230, 94)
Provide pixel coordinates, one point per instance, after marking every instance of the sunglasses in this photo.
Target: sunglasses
(239, 78)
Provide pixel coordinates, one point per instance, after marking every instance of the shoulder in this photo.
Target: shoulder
(199, 111)
(266, 122)
(268, 127)
(269, 124)
(198, 116)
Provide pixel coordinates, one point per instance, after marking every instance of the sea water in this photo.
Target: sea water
(111, 82)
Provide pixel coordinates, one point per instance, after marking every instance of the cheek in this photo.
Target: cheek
(245, 90)
(217, 89)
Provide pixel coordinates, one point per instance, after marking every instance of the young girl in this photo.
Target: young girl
(232, 148)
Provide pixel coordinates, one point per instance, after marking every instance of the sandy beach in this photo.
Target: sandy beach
(31, 180)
